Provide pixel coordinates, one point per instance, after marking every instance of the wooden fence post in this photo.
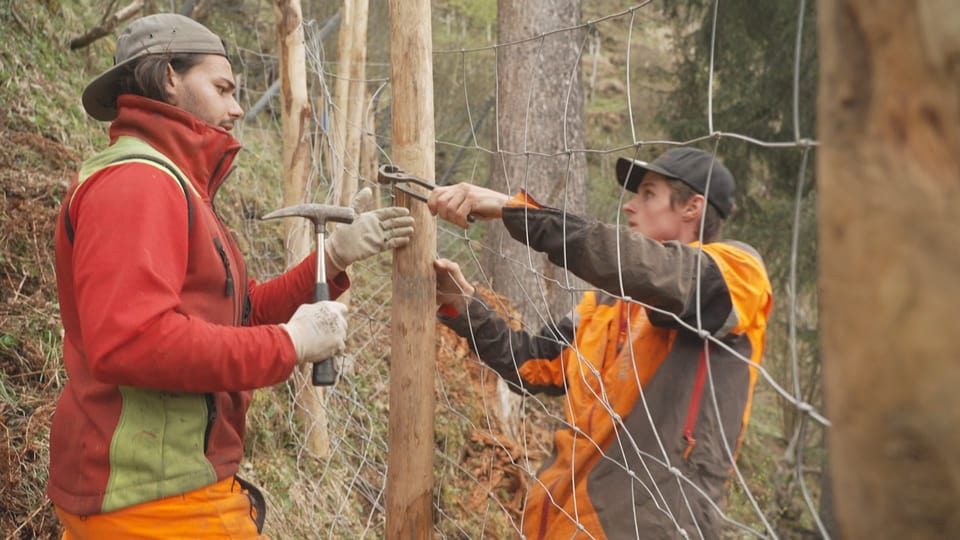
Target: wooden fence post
(295, 118)
(413, 339)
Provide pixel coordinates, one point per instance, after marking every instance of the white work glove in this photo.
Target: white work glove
(318, 331)
(369, 234)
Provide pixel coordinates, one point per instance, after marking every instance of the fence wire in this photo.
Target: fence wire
(489, 446)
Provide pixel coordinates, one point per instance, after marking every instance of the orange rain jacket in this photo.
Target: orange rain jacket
(644, 453)
(165, 337)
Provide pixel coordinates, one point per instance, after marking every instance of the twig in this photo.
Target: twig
(29, 519)
(22, 24)
(106, 25)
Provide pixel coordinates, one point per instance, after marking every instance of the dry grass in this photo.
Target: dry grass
(32, 176)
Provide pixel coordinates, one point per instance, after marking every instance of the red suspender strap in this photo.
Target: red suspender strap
(694, 406)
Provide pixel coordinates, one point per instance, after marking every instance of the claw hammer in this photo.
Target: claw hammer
(324, 372)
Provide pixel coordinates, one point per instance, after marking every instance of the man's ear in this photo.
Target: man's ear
(694, 207)
(171, 85)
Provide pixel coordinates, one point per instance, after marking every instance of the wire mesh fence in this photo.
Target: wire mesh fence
(490, 445)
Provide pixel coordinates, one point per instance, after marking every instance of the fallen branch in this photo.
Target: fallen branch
(106, 25)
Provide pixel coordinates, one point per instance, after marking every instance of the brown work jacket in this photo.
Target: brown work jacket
(645, 451)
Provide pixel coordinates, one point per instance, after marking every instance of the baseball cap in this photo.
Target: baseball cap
(692, 166)
(163, 33)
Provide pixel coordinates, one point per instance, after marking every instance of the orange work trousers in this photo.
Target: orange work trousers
(220, 510)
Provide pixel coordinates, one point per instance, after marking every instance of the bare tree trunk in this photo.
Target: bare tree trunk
(295, 117)
(539, 124)
(889, 172)
(349, 93)
(539, 120)
(413, 340)
(356, 95)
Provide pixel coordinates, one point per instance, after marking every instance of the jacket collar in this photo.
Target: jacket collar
(204, 152)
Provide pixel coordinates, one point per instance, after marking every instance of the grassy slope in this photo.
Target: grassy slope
(43, 130)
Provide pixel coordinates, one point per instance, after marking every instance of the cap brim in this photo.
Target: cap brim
(630, 172)
(100, 96)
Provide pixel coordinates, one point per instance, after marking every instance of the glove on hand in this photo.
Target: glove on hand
(318, 331)
(369, 234)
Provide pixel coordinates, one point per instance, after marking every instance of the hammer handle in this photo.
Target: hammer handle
(324, 372)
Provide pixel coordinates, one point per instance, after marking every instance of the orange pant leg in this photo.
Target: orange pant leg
(217, 511)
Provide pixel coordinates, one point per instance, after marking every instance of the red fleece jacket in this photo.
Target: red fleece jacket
(152, 301)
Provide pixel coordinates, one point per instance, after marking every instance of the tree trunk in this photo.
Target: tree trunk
(539, 124)
(345, 150)
(889, 173)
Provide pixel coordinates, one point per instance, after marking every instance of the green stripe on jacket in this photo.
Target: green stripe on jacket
(157, 448)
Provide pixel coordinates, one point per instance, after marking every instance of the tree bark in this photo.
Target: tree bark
(539, 134)
(889, 173)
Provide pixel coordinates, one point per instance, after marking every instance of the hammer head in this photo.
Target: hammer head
(319, 214)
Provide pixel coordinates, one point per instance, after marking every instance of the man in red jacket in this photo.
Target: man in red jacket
(657, 365)
(165, 337)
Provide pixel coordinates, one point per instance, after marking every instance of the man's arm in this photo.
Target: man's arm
(662, 275)
(528, 362)
(462, 202)
(624, 263)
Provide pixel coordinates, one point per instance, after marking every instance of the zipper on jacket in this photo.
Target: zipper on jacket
(211, 418)
(228, 288)
(247, 308)
(225, 233)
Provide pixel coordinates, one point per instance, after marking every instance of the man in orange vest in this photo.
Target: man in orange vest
(677, 324)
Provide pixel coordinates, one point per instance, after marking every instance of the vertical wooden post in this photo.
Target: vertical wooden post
(356, 72)
(350, 91)
(341, 97)
(413, 339)
(368, 146)
(295, 118)
(889, 193)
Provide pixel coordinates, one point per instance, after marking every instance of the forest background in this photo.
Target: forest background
(757, 82)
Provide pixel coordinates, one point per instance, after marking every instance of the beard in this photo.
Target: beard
(191, 102)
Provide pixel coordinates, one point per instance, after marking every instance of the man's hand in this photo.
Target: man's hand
(318, 331)
(455, 203)
(452, 288)
(369, 234)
